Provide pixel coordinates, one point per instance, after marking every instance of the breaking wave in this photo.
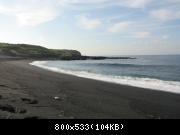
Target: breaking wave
(150, 83)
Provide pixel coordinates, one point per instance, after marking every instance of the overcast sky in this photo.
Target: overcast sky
(94, 27)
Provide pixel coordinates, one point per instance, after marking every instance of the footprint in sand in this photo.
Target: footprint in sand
(33, 117)
(12, 109)
(6, 86)
(2, 85)
(29, 101)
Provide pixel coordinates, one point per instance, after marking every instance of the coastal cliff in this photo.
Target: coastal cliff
(39, 52)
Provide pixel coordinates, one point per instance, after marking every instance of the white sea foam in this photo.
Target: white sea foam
(150, 83)
(38, 63)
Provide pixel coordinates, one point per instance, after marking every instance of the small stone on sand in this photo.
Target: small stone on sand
(56, 98)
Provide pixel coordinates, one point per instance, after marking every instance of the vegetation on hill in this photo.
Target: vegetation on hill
(32, 51)
(39, 52)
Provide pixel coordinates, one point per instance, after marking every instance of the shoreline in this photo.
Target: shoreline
(147, 83)
(29, 92)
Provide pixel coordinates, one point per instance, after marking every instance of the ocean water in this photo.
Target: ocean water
(153, 72)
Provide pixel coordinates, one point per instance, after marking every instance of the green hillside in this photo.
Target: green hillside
(32, 51)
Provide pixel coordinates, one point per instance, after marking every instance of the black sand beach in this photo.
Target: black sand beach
(29, 92)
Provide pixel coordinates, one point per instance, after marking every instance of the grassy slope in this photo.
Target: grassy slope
(31, 51)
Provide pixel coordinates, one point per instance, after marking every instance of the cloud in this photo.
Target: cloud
(173, 1)
(134, 3)
(143, 34)
(34, 18)
(165, 37)
(36, 12)
(88, 23)
(125, 3)
(31, 12)
(165, 14)
(83, 1)
(119, 27)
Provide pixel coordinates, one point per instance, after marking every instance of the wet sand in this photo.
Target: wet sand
(30, 92)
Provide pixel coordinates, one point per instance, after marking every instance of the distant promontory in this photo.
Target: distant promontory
(39, 52)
